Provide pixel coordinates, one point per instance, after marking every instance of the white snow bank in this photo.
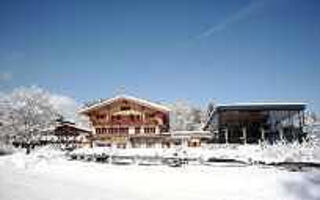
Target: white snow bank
(295, 152)
(36, 159)
(6, 149)
(292, 152)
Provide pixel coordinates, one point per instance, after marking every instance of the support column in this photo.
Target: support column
(157, 130)
(226, 136)
(131, 130)
(128, 144)
(244, 135)
(184, 142)
(263, 134)
(281, 134)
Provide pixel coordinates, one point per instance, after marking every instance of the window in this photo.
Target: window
(104, 130)
(98, 130)
(121, 146)
(111, 130)
(101, 116)
(137, 130)
(149, 130)
(123, 130)
(125, 108)
(115, 130)
(150, 145)
(116, 118)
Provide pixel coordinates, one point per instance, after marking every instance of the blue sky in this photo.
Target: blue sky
(227, 50)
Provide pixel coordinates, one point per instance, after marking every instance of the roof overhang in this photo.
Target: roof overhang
(262, 106)
(124, 97)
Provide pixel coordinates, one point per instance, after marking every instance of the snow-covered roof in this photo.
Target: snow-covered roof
(126, 97)
(53, 127)
(85, 129)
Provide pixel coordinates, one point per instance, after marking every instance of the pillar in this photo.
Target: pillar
(244, 135)
(263, 134)
(281, 134)
(184, 142)
(131, 130)
(157, 130)
(128, 144)
(226, 136)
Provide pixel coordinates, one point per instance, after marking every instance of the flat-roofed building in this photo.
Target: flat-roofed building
(254, 122)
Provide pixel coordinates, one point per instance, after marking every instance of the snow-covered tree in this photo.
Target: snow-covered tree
(184, 116)
(26, 112)
(312, 126)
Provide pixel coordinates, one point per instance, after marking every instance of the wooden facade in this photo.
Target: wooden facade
(126, 121)
(70, 134)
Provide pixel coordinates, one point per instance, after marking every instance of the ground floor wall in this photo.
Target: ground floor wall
(149, 141)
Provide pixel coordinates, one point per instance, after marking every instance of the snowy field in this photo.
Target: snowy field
(48, 175)
(292, 152)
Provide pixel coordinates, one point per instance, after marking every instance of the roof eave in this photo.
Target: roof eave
(109, 101)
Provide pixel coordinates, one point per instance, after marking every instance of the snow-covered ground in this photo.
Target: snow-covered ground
(46, 174)
(292, 152)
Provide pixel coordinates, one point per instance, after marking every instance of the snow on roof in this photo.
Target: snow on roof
(126, 97)
(53, 127)
(76, 127)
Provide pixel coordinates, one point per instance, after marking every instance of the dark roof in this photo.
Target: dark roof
(72, 130)
(262, 106)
